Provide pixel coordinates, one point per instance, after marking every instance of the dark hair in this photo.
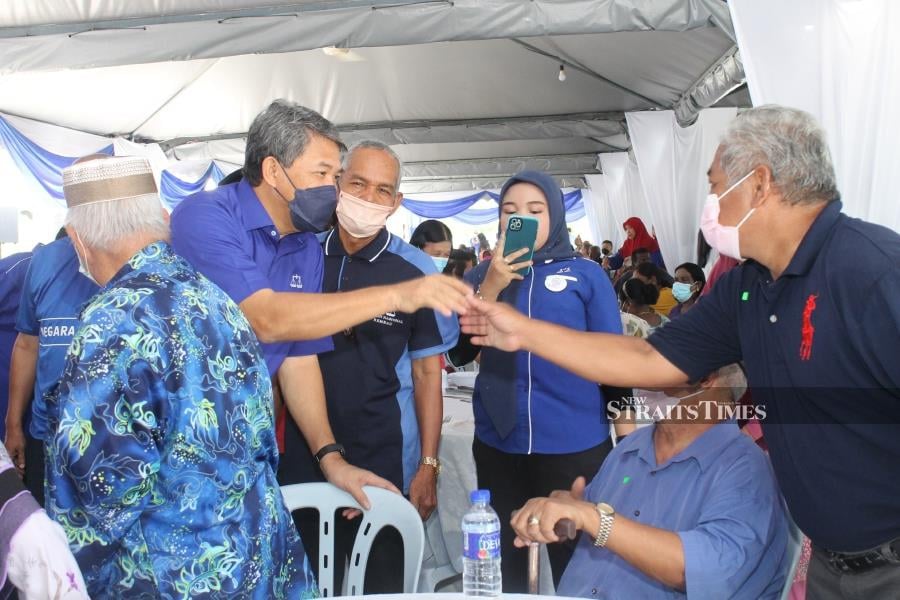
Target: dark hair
(703, 250)
(595, 252)
(606, 242)
(61, 233)
(649, 269)
(695, 271)
(637, 292)
(459, 259)
(430, 232)
(637, 251)
(283, 130)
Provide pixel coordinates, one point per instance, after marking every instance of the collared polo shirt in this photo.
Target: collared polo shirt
(718, 494)
(368, 375)
(819, 345)
(53, 295)
(229, 237)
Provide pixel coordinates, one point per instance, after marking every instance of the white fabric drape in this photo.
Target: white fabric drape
(594, 212)
(840, 61)
(624, 192)
(673, 162)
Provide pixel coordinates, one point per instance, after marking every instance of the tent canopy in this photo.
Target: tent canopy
(467, 92)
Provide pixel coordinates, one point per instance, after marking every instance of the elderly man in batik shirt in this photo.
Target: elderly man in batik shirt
(161, 469)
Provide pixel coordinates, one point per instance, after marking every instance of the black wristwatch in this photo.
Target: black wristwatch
(328, 449)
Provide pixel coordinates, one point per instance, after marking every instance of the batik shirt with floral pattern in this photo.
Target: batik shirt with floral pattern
(162, 467)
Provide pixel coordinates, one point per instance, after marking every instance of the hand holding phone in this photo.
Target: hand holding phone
(512, 258)
(521, 232)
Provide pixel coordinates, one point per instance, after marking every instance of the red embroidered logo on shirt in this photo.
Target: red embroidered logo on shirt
(808, 330)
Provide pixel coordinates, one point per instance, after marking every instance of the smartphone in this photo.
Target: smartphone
(521, 232)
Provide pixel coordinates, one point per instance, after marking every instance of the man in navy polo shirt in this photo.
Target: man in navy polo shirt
(52, 297)
(812, 313)
(256, 240)
(388, 413)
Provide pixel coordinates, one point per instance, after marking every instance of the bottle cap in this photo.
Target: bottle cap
(480, 496)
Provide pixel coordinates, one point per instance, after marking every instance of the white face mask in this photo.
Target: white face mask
(725, 239)
(82, 262)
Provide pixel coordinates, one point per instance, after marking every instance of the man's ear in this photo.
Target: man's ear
(166, 217)
(397, 202)
(270, 171)
(763, 185)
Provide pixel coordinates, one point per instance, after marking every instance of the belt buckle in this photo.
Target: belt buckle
(858, 563)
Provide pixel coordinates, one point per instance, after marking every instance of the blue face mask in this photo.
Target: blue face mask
(682, 291)
(311, 209)
(440, 262)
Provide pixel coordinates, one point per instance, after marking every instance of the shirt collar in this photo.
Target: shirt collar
(253, 213)
(705, 449)
(815, 238)
(370, 252)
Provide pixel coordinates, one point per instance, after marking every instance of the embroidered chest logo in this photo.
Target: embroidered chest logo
(807, 330)
(297, 282)
(389, 319)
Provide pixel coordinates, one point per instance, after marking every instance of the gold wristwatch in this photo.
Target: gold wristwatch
(607, 516)
(431, 462)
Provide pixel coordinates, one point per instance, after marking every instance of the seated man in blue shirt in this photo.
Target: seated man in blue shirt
(256, 240)
(388, 413)
(688, 506)
(811, 313)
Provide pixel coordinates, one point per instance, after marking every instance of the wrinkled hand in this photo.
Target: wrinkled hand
(15, 446)
(439, 292)
(494, 324)
(562, 504)
(423, 491)
(351, 479)
(504, 269)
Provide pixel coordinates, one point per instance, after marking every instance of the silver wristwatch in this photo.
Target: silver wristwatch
(607, 516)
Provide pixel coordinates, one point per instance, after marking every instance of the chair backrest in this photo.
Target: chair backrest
(388, 509)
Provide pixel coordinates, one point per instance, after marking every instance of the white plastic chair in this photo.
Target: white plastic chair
(388, 509)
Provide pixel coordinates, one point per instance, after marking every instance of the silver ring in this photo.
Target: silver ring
(532, 520)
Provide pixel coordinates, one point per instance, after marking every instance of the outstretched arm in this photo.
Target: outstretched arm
(627, 361)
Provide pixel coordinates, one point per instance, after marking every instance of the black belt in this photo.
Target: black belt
(857, 562)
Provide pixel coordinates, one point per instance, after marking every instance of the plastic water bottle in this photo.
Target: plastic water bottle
(481, 548)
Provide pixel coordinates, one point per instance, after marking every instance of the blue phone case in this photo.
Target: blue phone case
(521, 232)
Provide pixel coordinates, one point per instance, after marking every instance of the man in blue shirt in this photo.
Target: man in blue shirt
(697, 510)
(256, 240)
(161, 458)
(812, 313)
(52, 297)
(12, 278)
(388, 414)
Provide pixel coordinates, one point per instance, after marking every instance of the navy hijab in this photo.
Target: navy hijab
(498, 379)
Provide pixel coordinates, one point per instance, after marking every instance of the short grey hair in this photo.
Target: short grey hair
(283, 130)
(105, 225)
(788, 141)
(732, 376)
(375, 145)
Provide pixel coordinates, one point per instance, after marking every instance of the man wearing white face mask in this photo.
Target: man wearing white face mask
(383, 378)
(792, 312)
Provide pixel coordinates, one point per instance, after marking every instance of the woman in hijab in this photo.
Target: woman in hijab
(636, 237)
(537, 427)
